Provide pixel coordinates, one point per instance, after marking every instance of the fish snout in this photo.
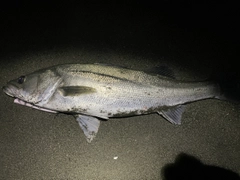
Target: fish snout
(8, 90)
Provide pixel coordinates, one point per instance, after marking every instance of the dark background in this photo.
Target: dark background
(162, 28)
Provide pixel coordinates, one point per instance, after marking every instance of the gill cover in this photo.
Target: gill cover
(37, 87)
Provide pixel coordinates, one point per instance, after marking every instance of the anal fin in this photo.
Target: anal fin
(89, 125)
(173, 114)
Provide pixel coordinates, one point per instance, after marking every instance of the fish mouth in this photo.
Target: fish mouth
(24, 103)
(8, 90)
(11, 90)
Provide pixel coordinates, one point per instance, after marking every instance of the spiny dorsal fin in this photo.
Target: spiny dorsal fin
(173, 114)
(76, 90)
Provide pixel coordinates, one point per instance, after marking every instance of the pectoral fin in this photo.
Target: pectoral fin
(173, 114)
(89, 125)
(76, 90)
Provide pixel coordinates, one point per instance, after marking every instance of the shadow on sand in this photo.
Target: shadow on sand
(190, 168)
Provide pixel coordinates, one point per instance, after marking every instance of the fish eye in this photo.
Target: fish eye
(21, 79)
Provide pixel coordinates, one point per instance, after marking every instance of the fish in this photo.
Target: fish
(96, 92)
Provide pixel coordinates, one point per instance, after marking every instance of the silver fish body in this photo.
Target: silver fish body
(94, 91)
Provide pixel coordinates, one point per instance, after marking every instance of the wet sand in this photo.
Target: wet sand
(40, 145)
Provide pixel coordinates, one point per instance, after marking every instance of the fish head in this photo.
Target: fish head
(34, 87)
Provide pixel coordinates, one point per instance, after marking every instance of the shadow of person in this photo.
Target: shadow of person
(190, 168)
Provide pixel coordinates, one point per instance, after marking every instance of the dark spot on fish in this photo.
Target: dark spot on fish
(125, 114)
(74, 70)
(102, 111)
(21, 79)
(107, 87)
(137, 112)
(77, 110)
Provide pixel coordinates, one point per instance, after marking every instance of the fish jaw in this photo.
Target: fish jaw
(10, 90)
(21, 102)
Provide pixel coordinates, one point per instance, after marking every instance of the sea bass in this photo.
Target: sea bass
(92, 92)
